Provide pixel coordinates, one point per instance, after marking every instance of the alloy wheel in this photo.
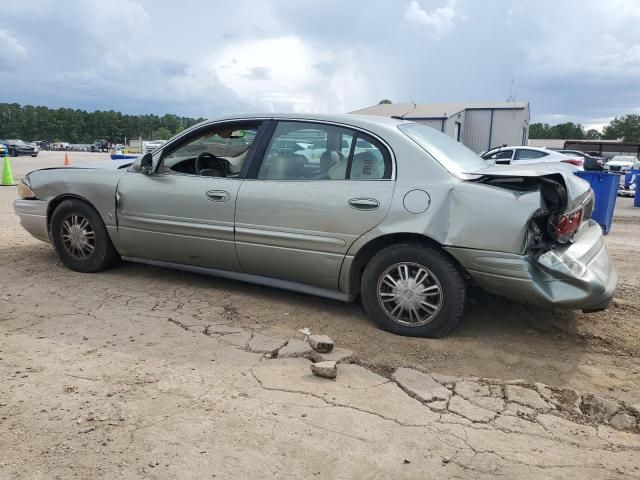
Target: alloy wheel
(410, 294)
(78, 236)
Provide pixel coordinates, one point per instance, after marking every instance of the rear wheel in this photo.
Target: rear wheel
(414, 290)
(80, 237)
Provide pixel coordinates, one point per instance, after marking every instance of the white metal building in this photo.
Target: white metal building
(479, 126)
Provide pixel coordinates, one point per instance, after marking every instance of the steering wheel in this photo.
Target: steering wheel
(198, 166)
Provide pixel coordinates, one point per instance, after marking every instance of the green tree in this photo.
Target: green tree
(162, 133)
(567, 130)
(561, 131)
(78, 126)
(626, 128)
(539, 130)
(592, 134)
(385, 101)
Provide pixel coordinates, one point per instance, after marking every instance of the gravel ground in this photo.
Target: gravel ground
(75, 346)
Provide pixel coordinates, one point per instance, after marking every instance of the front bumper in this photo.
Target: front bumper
(33, 217)
(575, 275)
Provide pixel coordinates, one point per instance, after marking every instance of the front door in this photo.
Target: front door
(184, 211)
(296, 219)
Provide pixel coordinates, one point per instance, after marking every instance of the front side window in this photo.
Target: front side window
(526, 154)
(335, 153)
(219, 151)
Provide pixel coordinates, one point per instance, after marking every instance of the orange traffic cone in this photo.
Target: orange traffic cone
(66, 160)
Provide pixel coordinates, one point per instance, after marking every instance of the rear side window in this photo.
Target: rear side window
(337, 153)
(452, 155)
(501, 155)
(526, 154)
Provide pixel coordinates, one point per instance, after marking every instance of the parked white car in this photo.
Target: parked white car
(622, 163)
(517, 155)
(313, 152)
(152, 145)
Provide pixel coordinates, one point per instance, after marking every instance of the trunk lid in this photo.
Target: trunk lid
(576, 189)
(566, 200)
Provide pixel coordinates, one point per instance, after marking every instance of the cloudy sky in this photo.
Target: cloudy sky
(574, 60)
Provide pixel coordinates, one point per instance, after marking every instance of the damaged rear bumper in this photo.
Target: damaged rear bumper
(576, 275)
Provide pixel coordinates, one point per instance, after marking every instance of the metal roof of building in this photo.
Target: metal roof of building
(434, 110)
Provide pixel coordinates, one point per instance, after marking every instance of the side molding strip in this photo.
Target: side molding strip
(247, 277)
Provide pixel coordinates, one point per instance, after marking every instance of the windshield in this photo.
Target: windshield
(452, 155)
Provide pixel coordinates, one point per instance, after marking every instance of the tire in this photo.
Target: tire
(70, 239)
(443, 289)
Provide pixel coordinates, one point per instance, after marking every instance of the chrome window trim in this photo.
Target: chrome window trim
(392, 155)
(208, 123)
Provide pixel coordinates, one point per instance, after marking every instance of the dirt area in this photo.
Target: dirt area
(110, 347)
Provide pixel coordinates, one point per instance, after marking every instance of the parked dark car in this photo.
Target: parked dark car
(19, 147)
(100, 146)
(591, 162)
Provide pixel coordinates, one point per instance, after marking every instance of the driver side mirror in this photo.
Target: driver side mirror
(143, 164)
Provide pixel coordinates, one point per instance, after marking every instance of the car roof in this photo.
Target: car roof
(520, 147)
(345, 118)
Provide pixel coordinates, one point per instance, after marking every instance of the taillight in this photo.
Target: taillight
(567, 224)
(573, 161)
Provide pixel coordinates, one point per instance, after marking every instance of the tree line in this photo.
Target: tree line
(625, 128)
(28, 122)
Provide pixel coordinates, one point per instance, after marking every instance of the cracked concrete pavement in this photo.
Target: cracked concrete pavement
(140, 373)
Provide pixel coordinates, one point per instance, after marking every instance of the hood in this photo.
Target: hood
(575, 188)
(100, 165)
(106, 164)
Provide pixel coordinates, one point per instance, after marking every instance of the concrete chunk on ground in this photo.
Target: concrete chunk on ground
(320, 343)
(260, 343)
(565, 399)
(525, 396)
(598, 407)
(467, 389)
(420, 385)
(295, 348)
(340, 355)
(468, 410)
(623, 421)
(325, 369)
(446, 380)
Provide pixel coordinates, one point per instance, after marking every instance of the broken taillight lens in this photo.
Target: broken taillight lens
(568, 224)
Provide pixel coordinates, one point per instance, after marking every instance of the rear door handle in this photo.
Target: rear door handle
(364, 203)
(217, 195)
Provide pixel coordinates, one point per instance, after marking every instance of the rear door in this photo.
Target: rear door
(296, 219)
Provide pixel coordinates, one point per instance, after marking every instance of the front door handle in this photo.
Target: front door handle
(364, 203)
(217, 195)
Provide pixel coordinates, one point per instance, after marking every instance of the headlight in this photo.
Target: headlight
(24, 191)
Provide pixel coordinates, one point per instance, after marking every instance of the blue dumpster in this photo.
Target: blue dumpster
(605, 189)
(636, 200)
(629, 178)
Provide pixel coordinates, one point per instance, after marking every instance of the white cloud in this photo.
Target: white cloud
(11, 51)
(440, 21)
(293, 75)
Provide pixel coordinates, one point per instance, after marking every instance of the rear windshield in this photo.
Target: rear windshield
(452, 155)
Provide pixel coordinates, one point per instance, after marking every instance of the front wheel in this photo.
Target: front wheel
(80, 237)
(414, 290)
